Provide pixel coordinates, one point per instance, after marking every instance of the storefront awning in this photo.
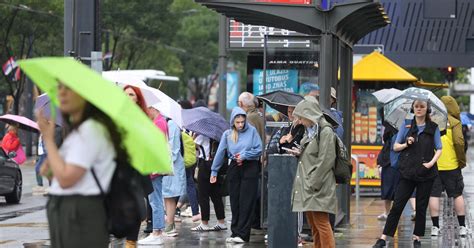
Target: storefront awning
(376, 67)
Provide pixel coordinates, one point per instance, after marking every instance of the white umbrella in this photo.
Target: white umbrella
(386, 95)
(153, 97)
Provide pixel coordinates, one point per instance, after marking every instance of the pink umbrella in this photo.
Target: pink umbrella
(23, 122)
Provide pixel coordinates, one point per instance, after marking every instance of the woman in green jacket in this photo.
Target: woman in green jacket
(314, 188)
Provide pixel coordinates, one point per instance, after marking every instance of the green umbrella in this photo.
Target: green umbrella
(146, 145)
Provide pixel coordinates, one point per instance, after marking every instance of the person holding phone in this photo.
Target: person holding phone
(244, 148)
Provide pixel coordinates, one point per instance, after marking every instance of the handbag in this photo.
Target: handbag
(222, 176)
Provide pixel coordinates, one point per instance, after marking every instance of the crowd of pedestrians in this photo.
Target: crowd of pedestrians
(417, 161)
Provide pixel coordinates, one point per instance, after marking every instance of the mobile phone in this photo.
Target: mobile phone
(287, 149)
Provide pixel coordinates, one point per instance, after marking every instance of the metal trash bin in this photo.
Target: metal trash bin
(282, 222)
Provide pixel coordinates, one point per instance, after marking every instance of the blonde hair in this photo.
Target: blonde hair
(235, 135)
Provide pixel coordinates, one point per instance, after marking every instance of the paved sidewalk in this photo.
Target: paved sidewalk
(365, 228)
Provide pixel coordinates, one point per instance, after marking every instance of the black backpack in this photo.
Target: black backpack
(124, 203)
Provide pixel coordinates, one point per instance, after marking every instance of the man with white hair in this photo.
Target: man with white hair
(247, 103)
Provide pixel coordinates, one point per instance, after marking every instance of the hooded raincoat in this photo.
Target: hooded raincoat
(314, 187)
(454, 126)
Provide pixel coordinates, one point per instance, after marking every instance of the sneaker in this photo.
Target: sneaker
(229, 240)
(187, 213)
(382, 217)
(413, 216)
(463, 231)
(196, 218)
(238, 240)
(434, 231)
(170, 231)
(151, 240)
(266, 236)
(201, 228)
(219, 227)
(380, 243)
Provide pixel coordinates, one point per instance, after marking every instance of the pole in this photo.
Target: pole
(326, 70)
(29, 103)
(222, 66)
(345, 98)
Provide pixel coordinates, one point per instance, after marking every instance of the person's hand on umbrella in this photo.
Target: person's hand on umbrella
(47, 127)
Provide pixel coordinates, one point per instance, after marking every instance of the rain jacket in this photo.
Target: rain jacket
(248, 145)
(314, 187)
(455, 126)
(10, 142)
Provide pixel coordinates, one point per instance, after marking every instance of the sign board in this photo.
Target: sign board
(251, 37)
(285, 80)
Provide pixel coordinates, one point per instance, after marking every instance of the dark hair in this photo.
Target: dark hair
(185, 104)
(115, 134)
(140, 99)
(200, 103)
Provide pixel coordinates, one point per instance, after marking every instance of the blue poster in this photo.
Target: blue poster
(232, 89)
(286, 80)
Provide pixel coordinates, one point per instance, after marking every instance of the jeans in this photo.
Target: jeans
(39, 162)
(191, 190)
(156, 202)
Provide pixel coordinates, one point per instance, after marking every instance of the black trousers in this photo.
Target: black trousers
(243, 182)
(402, 195)
(207, 190)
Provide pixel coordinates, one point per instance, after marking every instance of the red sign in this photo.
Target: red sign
(286, 1)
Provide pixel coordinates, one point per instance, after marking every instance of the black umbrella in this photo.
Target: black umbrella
(281, 100)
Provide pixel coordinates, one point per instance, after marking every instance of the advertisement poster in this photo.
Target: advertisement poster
(232, 89)
(286, 80)
(368, 172)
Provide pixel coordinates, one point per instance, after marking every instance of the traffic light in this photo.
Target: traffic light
(450, 74)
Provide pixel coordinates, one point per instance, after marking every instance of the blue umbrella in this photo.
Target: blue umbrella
(43, 102)
(465, 119)
(203, 121)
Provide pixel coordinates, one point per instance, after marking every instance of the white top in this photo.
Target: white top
(88, 146)
(205, 142)
(40, 146)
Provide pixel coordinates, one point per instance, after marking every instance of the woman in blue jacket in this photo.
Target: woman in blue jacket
(244, 148)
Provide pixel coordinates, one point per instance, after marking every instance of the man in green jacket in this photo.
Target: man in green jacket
(314, 188)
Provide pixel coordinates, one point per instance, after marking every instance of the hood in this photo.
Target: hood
(452, 106)
(309, 109)
(238, 111)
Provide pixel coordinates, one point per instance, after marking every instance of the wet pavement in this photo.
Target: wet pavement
(25, 224)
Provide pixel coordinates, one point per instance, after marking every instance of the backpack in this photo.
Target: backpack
(188, 149)
(124, 203)
(343, 167)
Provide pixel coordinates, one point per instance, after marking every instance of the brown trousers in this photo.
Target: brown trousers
(321, 229)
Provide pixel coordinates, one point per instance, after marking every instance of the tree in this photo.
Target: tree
(28, 25)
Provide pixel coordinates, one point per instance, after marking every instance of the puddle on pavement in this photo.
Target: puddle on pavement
(18, 213)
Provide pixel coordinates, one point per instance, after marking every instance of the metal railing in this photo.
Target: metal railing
(357, 187)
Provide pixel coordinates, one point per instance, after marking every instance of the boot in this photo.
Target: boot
(130, 244)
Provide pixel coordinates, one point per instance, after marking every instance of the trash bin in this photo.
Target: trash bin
(282, 222)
